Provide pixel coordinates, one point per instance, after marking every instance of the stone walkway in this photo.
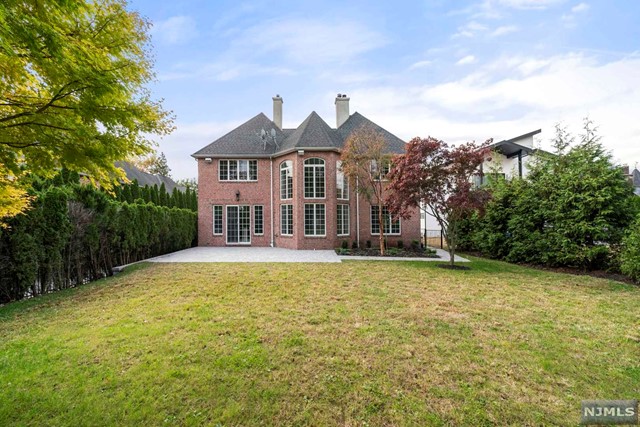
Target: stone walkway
(253, 254)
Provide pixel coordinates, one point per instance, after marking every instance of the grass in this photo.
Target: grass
(360, 343)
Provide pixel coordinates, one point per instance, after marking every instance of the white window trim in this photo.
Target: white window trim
(324, 176)
(238, 180)
(386, 234)
(314, 214)
(348, 219)
(213, 222)
(292, 179)
(254, 220)
(281, 211)
(227, 234)
(345, 180)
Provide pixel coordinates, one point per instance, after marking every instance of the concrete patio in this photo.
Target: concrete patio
(254, 254)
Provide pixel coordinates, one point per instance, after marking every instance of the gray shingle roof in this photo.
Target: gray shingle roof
(357, 121)
(312, 133)
(144, 178)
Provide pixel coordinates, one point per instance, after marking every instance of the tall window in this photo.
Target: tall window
(258, 219)
(286, 180)
(343, 220)
(342, 183)
(314, 178)
(217, 220)
(380, 171)
(238, 170)
(390, 226)
(314, 219)
(286, 220)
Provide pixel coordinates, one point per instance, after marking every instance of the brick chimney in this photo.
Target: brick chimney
(342, 109)
(277, 111)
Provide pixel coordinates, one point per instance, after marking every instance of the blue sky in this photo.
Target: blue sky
(456, 70)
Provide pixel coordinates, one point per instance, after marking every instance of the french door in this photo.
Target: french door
(239, 224)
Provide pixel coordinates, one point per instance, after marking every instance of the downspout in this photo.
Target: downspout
(357, 214)
(271, 200)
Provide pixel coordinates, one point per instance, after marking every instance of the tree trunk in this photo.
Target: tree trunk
(451, 243)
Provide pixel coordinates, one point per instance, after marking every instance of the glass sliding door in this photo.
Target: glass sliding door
(239, 224)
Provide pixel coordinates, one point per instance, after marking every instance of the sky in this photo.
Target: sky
(455, 70)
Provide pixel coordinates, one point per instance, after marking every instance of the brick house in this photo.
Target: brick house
(263, 185)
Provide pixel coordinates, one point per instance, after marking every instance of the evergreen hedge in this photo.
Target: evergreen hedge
(75, 234)
(630, 255)
(572, 210)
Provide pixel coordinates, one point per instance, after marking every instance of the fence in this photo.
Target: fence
(434, 239)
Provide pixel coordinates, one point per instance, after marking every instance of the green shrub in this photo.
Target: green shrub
(368, 244)
(345, 244)
(400, 244)
(415, 244)
(354, 245)
(630, 255)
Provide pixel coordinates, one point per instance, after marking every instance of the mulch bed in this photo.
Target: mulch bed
(453, 267)
(601, 274)
(404, 253)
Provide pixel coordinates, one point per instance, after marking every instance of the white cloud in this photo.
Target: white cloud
(469, 59)
(564, 88)
(186, 140)
(419, 64)
(582, 7)
(529, 4)
(311, 41)
(469, 30)
(504, 30)
(175, 30)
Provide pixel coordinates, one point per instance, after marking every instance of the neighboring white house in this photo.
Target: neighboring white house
(510, 158)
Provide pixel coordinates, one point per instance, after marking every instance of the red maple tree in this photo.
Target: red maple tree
(437, 178)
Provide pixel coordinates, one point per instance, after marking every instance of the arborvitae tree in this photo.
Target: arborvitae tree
(135, 189)
(163, 199)
(155, 195)
(146, 196)
(126, 194)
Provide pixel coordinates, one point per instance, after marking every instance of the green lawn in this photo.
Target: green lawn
(358, 343)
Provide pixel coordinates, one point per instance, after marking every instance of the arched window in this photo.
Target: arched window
(314, 178)
(342, 183)
(286, 180)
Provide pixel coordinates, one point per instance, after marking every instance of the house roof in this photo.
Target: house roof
(511, 148)
(248, 139)
(143, 178)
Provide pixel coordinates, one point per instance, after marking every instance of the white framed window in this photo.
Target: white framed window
(258, 220)
(343, 220)
(390, 228)
(238, 224)
(217, 220)
(238, 170)
(286, 220)
(286, 180)
(380, 171)
(314, 219)
(314, 178)
(342, 183)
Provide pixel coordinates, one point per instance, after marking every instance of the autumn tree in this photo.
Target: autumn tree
(73, 93)
(365, 162)
(437, 178)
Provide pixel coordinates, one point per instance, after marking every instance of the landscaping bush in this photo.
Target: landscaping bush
(345, 244)
(400, 244)
(571, 209)
(368, 244)
(74, 234)
(630, 255)
(415, 244)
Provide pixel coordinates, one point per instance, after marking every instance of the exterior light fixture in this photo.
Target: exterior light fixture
(237, 195)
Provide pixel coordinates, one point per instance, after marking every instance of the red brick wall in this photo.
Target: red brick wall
(211, 192)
